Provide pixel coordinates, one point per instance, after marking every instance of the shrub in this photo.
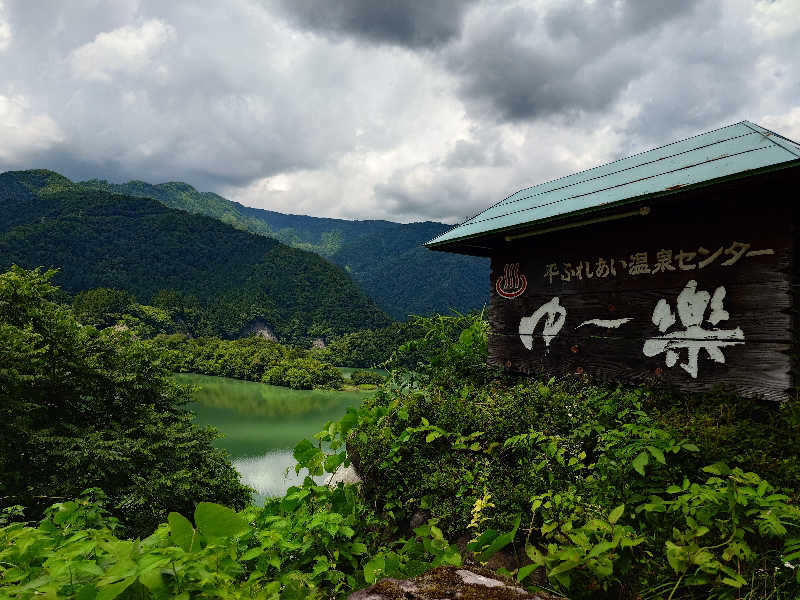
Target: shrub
(610, 483)
(304, 374)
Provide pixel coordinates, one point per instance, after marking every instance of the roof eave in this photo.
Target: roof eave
(574, 220)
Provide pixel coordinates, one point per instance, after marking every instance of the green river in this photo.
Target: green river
(262, 423)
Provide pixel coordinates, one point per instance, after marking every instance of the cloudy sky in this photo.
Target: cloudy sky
(414, 110)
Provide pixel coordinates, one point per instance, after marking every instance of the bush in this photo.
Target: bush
(315, 542)
(611, 484)
(84, 408)
(304, 374)
(366, 377)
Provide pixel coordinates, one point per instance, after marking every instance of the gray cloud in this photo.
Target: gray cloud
(520, 63)
(402, 110)
(411, 23)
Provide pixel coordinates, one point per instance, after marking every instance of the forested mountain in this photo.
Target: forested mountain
(386, 259)
(223, 277)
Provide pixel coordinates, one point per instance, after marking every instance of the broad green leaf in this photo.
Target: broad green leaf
(565, 566)
(657, 454)
(640, 462)
(358, 548)
(374, 569)
(252, 553)
(181, 532)
(718, 468)
(218, 521)
(304, 451)
(525, 571)
(109, 592)
(332, 461)
(600, 548)
(534, 554)
(615, 514)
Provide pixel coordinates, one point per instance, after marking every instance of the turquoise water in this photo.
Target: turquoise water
(262, 423)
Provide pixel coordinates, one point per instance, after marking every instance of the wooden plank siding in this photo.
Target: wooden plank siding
(727, 251)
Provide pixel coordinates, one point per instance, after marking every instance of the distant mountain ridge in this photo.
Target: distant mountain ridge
(385, 258)
(225, 277)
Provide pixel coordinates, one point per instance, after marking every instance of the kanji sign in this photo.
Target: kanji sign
(695, 304)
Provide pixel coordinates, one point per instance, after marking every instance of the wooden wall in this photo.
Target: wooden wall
(696, 294)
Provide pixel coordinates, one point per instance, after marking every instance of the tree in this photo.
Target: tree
(85, 408)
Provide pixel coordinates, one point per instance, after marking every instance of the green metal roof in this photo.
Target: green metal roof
(729, 151)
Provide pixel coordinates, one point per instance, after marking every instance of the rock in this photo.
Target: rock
(467, 583)
(260, 328)
(346, 475)
(318, 343)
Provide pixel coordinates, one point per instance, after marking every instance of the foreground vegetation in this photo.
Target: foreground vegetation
(592, 491)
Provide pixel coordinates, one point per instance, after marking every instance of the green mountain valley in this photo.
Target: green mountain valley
(386, 259)
(220, 279)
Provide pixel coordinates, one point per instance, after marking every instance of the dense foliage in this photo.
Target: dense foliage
(304, 374)
(214, 278)
(84, 408)
(386, 259)
(366, 378)
(594, 491)
(600, 492)
(253, 358)
(369, 347)
(314, 543)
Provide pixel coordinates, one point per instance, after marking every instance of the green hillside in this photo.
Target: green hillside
(386, 259)
(229, 277)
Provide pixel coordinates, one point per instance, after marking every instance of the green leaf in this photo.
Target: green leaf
(500, 542)
(218, 521)
(358, 548)
(601, 548)
(252, 553)
(109, 592)
(374, 569)
(657, 454)
(615, 514)
(565, 566)
(535, 555)
(182, 532)
(525, 571)
(304, 451)
(718, 468)
(332, 461)
(640, 462)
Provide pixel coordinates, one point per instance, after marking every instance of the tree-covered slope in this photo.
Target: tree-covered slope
(405, 278)
(387, 259)
(321, 235)
(99, 239)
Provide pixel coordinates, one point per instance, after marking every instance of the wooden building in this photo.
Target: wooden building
(675, 264)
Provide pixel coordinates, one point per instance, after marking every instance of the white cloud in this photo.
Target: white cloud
(24, 132)
(383, 116)
(787, 124)
(128, 49)
(5, 28)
